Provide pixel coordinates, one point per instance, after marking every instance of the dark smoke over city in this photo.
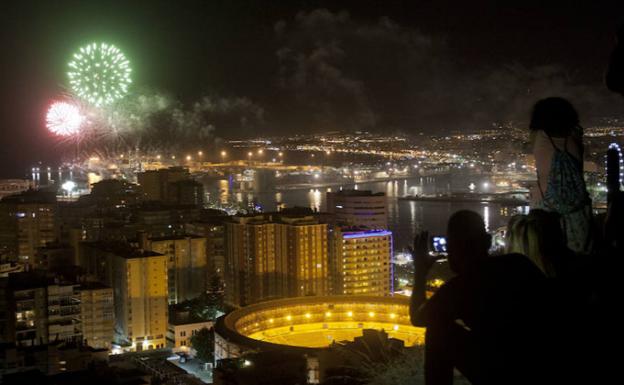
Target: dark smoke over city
(245, 69)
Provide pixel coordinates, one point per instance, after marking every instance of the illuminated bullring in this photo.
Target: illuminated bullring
(316, 322)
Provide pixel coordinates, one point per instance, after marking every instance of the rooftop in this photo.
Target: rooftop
(121, 249)
(31, 196)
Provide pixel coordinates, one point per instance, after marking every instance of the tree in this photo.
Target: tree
(214, 294)
(209, 304)
(203, 343)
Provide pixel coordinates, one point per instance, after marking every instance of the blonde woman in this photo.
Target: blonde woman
(539, 237)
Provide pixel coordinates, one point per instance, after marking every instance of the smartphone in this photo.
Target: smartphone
(438, 244)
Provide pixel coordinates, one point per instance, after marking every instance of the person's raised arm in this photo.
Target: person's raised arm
(422, 264)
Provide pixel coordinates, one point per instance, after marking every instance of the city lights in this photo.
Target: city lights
(357, 169)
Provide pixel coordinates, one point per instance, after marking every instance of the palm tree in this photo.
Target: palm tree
(369, 357)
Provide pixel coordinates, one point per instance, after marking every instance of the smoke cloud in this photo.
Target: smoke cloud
(338, 73)
(155, 120)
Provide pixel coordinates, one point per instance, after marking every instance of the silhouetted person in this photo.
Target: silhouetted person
(614, 225)
(573, 288)
(525, 236)
(489, 321)
(540, 237)
(557, 140)
(610, 255)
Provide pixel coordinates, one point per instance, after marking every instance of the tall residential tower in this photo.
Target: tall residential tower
(361, 262)
(358, 208)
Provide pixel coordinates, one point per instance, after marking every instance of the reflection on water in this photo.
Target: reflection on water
(224, 191)
(314, 197)
(405, 217)
(412, 207)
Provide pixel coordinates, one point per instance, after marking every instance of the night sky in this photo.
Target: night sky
(290, 66)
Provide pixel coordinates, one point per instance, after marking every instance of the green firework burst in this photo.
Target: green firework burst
(99, 73)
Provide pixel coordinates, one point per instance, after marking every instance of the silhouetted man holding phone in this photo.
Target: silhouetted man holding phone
(490, 321)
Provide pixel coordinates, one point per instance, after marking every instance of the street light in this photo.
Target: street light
(223, 153)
